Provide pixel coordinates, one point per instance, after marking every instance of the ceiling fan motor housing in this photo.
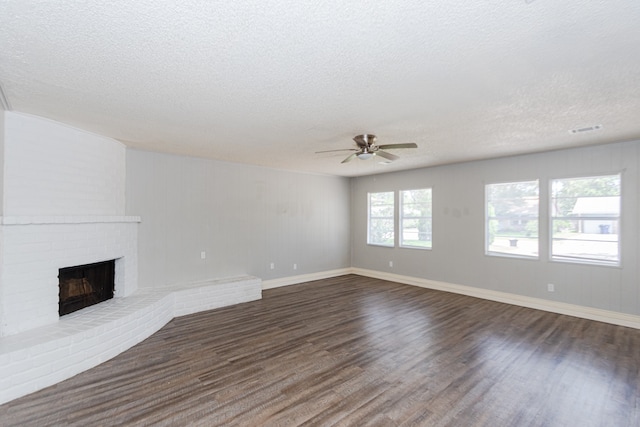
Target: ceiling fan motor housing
(365, 140)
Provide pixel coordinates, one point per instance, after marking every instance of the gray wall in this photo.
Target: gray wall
(458, 228)
(246, 217)
(243, 217)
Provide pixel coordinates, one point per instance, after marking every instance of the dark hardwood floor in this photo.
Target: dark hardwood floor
(356, 351)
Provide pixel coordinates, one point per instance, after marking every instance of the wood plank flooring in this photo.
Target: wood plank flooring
(355, 351)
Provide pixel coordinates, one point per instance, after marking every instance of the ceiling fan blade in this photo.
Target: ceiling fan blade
(386, 155)
(407, 145)
(351, 157)
(331, 151)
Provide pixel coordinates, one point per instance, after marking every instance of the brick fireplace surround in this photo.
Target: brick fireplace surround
(35, 248)
(62, 203)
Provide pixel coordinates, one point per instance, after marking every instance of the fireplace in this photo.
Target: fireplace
(85, 285)
(36, 249)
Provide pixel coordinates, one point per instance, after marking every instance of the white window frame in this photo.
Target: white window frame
(370, 219)
(511, 251)
(589, 260)
(428, 218)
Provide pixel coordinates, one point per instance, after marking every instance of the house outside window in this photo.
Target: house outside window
(381, 219)
(585, 219)
(416, 219)
(512, 210)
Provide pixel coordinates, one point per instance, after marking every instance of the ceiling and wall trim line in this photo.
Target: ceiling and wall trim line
(4, 101)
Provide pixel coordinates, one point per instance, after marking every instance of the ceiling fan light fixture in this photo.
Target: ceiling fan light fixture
(365, 156)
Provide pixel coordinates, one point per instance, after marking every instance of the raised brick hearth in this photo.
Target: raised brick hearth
(38, 358)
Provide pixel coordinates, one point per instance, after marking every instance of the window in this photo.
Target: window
(415, 218)
(381, 219)
(585, 219)
(512, 219)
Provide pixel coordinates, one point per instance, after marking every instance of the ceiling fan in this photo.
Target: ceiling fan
(367, 148)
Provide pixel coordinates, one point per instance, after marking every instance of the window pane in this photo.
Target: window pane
(585, 219)
(512, 218)
(416, 218)
(381, 219)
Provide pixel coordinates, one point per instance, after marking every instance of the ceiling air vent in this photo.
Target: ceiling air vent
(4, 101)
(586, 129)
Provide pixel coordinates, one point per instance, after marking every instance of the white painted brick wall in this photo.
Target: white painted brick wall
(64, 201)
(63, 205)
(54, 169)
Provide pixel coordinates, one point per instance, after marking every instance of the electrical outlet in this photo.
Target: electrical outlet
(203, 255)
(551, 287)
(295, 266)
(272, 266)
(391, 264)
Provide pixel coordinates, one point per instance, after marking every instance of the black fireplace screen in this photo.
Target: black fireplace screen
(85, 285)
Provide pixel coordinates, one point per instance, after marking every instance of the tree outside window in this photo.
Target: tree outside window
(416, 218)
(512, 210)
(381, 219)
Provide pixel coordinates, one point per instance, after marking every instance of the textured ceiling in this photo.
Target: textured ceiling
(270, 82)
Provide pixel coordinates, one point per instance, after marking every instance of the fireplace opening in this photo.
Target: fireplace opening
(85, 285)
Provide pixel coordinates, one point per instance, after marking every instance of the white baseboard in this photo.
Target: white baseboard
(613, 317)
(294, 280)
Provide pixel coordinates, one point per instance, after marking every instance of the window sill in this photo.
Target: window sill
(513, 256)
(420, 248)
(380, 245)
(592, 263)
